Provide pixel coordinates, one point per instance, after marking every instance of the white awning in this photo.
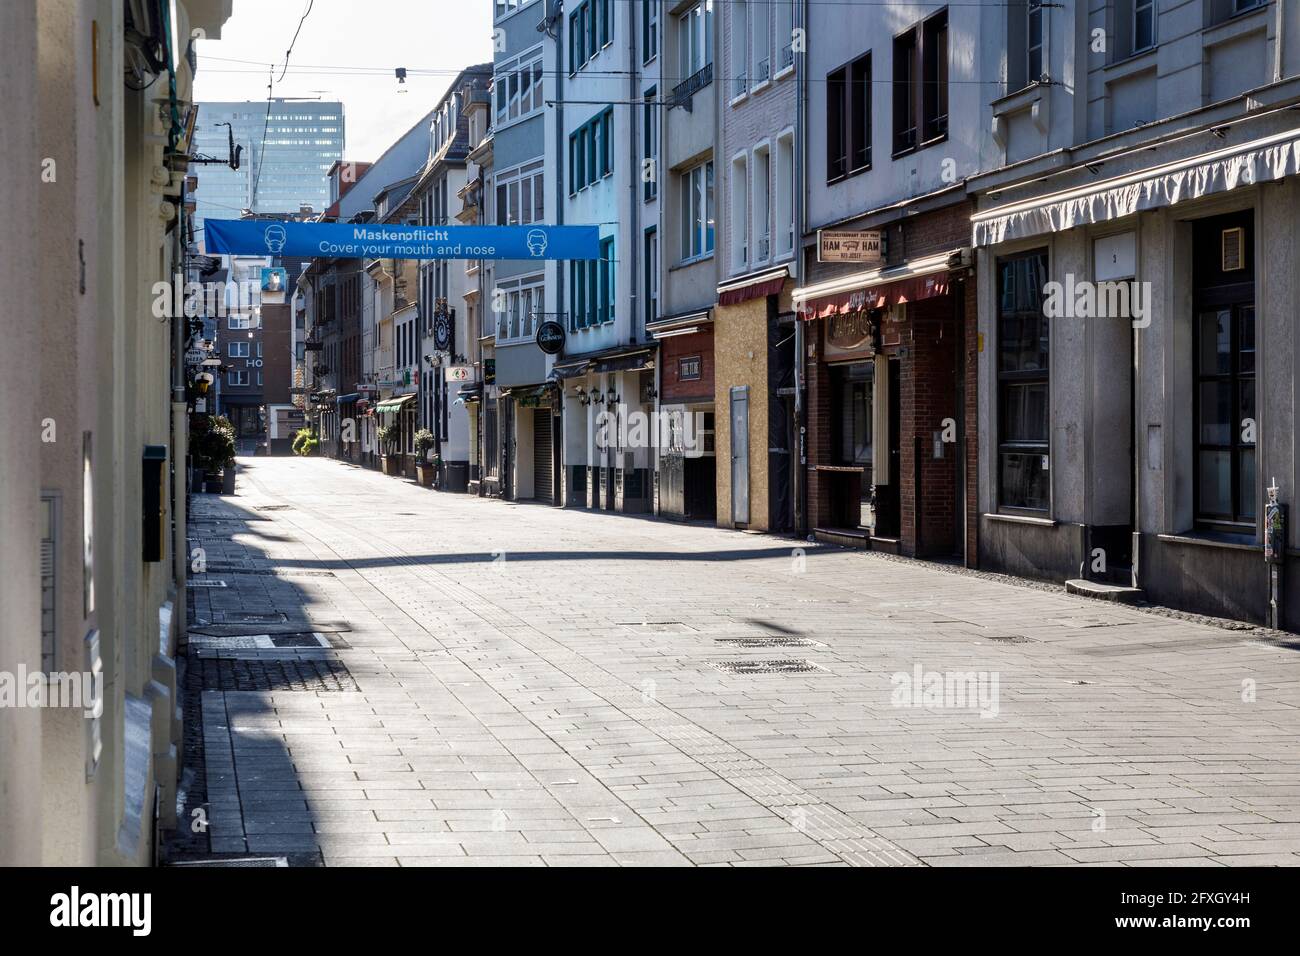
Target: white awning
(1258, 161)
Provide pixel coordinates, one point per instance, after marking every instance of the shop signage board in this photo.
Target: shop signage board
(861, 246)
(459, 373)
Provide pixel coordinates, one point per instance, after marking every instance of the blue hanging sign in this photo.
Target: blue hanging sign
(269, 237)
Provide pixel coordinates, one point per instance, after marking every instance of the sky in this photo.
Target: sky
(347, 50)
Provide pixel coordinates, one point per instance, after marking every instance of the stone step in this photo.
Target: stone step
(1104, 591)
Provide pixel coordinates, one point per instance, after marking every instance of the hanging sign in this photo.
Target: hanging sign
(550, 337)
(376, 240)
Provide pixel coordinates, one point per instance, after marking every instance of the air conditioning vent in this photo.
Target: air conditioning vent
(1233, 249)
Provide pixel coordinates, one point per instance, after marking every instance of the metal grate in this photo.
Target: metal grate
(205, 583)
(274, 507)
(241, 861)
(1010, 639)
(769, 642)
(767, 667)
(236, 674)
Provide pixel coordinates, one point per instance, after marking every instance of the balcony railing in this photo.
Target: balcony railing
(740, 86)
(787, 56)
(764, 247)
(763, 71)
(685, 90)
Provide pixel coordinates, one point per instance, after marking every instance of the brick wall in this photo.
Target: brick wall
(673, 348)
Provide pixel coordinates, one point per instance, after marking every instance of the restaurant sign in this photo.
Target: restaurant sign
(862, 246)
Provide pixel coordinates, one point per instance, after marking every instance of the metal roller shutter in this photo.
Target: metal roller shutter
(543, 485)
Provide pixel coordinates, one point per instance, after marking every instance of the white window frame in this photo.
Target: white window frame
(760, 38)
(236, 377)
(783, 213)
(740, 48)
(784, 39)
(513, 180)
(243, 322)
(512, 108)
(699, 219)
(695, 30)
(525, 302)
(237, 349)
(739, 188)
(761, 195)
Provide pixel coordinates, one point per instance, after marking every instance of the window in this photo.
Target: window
(591, 151)
(519, 306)
(921, 84)
(605, 307)
(241, 322)
(905, 92)
(739, 213)
(1225, 413)
(237, 377)
(651, 259)
(762, 203)
(784, 34)
(237, 350)
(740, 47)
(1023, 403)
(649, 30)
(1144, 24)
(520, 197)
(695, 39)
(650, 147)
(934, 77)
(518, 88)
(1034, 41)
(785, 194)
(697, 210)
(837, 155)
(848, 119)
(591, 27)
(761, 39)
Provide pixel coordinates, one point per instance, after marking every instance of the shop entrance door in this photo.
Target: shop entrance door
(887, 490)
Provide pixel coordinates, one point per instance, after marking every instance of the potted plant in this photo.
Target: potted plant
(212, 446)
(387, 438)
(426, 469)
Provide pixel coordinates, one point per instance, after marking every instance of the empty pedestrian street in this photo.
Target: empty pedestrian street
(389, 675)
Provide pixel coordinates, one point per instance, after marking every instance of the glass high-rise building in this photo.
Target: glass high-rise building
(304, 138)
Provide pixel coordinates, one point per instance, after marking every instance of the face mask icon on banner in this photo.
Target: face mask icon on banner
(536, 242)
(275, 238)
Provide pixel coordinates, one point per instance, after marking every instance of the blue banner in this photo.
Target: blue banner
(269, 237)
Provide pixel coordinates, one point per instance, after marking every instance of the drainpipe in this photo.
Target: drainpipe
(634, 215)
(180, 476)
(1280, 29)
(800, 348)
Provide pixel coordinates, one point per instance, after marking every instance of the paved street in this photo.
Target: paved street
(450, 680)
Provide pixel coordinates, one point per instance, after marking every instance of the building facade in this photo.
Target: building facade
(93, 458)
(1135, 241)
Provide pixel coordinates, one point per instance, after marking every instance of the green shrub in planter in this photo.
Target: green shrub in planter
(424, 440)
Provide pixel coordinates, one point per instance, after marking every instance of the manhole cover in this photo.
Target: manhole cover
(672, 627)
(236, 861)
(769, 642)
(261, 642)
(766, 667)
(274, 507)
(1010, 639)
(205, 583)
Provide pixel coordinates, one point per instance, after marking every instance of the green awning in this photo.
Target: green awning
(395, 404)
